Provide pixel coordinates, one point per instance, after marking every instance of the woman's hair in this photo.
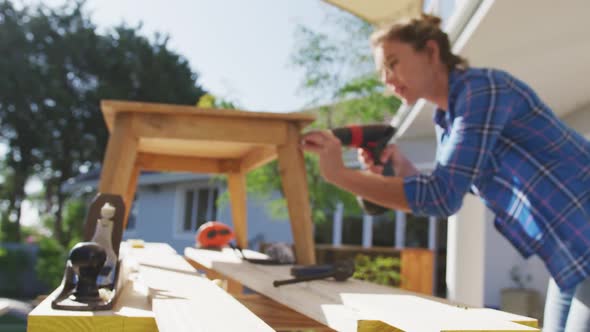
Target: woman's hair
(417, 32)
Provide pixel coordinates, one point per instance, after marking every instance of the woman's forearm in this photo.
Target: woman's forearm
(387, 191)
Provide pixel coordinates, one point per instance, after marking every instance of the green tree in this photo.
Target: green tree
(340, 73)
(18, 83)
(342, 88)
(53, 254)
(51, 261)
(14, 262)
(56, 68)
(6, 185)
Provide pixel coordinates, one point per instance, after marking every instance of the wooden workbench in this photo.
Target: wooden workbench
(356, 305)
(164, 294)
(164, 137)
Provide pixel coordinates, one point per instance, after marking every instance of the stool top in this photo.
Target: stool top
(112, 107)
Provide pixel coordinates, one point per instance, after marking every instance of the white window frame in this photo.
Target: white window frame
(179, 208)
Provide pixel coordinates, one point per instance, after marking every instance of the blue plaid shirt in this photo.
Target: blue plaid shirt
(499, 141)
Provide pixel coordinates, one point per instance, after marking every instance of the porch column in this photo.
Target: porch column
(432, 233)
(337, 226)
(466, 253)
(400, 229)
(433, 245)
(367, 231)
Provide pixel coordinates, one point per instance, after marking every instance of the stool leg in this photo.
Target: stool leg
(131, 189)
(294, 181)
(119, 160)
(237, 194)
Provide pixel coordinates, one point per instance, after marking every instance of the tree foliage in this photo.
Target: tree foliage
(342, 88)
(381, 270)
(53, 254)
(56, 67)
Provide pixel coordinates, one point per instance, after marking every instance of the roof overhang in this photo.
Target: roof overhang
(545, 45)
(378, 12)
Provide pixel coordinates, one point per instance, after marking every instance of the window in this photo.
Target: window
(416, 231)
(198, 207)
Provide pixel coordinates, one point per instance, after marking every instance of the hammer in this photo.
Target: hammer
(340, 272)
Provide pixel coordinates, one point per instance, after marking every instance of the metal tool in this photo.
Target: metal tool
(340, 271)
(81, 289)
(261, 261)
(372, 138)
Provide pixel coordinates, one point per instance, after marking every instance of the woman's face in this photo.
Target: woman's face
(407, 72)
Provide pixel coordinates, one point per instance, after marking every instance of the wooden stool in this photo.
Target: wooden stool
(163, 137)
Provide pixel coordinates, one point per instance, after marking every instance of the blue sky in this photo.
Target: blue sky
(240, 48)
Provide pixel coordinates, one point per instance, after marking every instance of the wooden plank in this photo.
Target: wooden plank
(132, 312)
(414, 263)
(278, 316)
(182, 300)
(174, 163)
(232, 287)
(230, 166)
(257, 157)
(393, 307)
(324, 308)
(171, 163)
(160, 255)
(195, 148)
(209, 128)
(119, 159)
(111, 107)
(239, 208)
(130, 195)
(408, 313)
(167, 294)
(354, 300)
(294, 181)
(487, 313)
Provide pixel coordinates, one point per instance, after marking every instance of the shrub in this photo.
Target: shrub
(51, 262)
(380, 270)
(14, 263)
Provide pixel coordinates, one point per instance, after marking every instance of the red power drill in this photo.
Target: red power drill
(372, 138)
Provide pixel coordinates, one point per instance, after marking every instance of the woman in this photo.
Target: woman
(497, 140)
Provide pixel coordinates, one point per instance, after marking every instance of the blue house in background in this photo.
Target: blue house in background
(169, 207)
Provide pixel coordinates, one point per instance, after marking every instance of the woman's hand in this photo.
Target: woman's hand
(401, 165)
(329, 149)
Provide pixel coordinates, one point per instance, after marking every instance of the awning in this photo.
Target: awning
(378, 12)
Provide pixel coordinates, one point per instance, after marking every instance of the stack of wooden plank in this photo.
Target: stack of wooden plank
(355, 305)
(164, 294)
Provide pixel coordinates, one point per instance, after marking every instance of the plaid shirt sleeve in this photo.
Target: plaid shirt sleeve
(463, 150)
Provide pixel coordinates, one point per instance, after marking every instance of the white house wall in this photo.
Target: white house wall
(159, 214)
(155, 215)
(579, 120)
(420, 150)
(500, 258)
(262, 227)
(466, 240)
